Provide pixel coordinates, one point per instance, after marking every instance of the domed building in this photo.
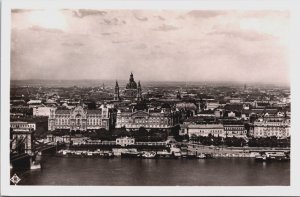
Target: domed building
(133, 90)
(132, 84)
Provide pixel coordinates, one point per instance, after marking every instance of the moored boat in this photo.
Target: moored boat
(164, 155)
(201, 156)
(149, 155)
(130, 154)
(261, 158)
(176, 154)
(108, 155)
(205, 156)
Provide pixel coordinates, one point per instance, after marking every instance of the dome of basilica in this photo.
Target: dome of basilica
(132, 84)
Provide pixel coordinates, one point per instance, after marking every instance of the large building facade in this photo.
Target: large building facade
(235, 129)
(79, 119)
(272, 126)
(42, 111)
(22, 125)
(149, 120)
(214, 129)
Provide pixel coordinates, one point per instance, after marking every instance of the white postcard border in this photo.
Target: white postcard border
(293, 6)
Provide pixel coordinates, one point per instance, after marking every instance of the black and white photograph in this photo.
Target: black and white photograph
(110, 96)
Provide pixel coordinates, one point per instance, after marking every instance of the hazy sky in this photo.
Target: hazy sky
(155, 45)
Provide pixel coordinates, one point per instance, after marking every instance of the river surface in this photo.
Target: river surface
(160, 172)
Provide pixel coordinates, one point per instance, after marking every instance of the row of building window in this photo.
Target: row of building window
(270, 129)
(67, 121)
(271, 134)
(142, 125)
(234, 128)
(87, 116)
(208, 131)
(237, 132)
(152, 118)
(125, 141)
(144, 121)
(22, 126)
(270, 124)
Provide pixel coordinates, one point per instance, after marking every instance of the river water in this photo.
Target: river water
(160, 172)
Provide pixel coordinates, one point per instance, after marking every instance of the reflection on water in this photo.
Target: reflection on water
(151, 172)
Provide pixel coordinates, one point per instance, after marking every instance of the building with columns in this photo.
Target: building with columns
(79, 119)
(150, 119)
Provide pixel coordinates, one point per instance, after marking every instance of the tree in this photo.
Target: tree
(175, 130)
(193, 138)
(72, 133)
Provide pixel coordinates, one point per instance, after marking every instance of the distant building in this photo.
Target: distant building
(22, 125)
(235, 100)
(261, 104)
(272, 126)
(125, 141)
(218, 113)
(117, 92)
(42, 111)
(79, 119)
(235, 129)
(215, 129)
(51, 102)
(133, 91)
(211, 105)
(233, 107)
(187, 106)
(246, 106)
(162, 119)
(231, 114)
(34, 103)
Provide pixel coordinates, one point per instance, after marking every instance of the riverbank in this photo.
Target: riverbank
(173, 153)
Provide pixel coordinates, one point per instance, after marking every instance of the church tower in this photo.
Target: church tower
(178, 96)
(139, 92)
(117, 94)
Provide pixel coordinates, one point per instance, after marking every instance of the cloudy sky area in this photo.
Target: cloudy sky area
(243, 46)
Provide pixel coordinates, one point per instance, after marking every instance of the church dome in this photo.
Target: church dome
(132, 84)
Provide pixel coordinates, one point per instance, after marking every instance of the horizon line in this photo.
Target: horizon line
(186, 81)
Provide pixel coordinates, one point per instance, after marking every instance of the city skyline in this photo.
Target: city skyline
(106, 44)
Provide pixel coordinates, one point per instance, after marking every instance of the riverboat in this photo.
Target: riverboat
(176, 154)
(191, 156)
(149, 155)
(278, 156)
(205, 156)
(184, 155)
(272, 156)
(130, 154)
(92, 154)
(261, 158)
(108, 155)
(201, 156)
(164, 155)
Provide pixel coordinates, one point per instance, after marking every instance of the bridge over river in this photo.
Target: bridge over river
(26, 151)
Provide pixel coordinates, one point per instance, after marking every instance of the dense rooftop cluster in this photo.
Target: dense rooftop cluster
(193, 109)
